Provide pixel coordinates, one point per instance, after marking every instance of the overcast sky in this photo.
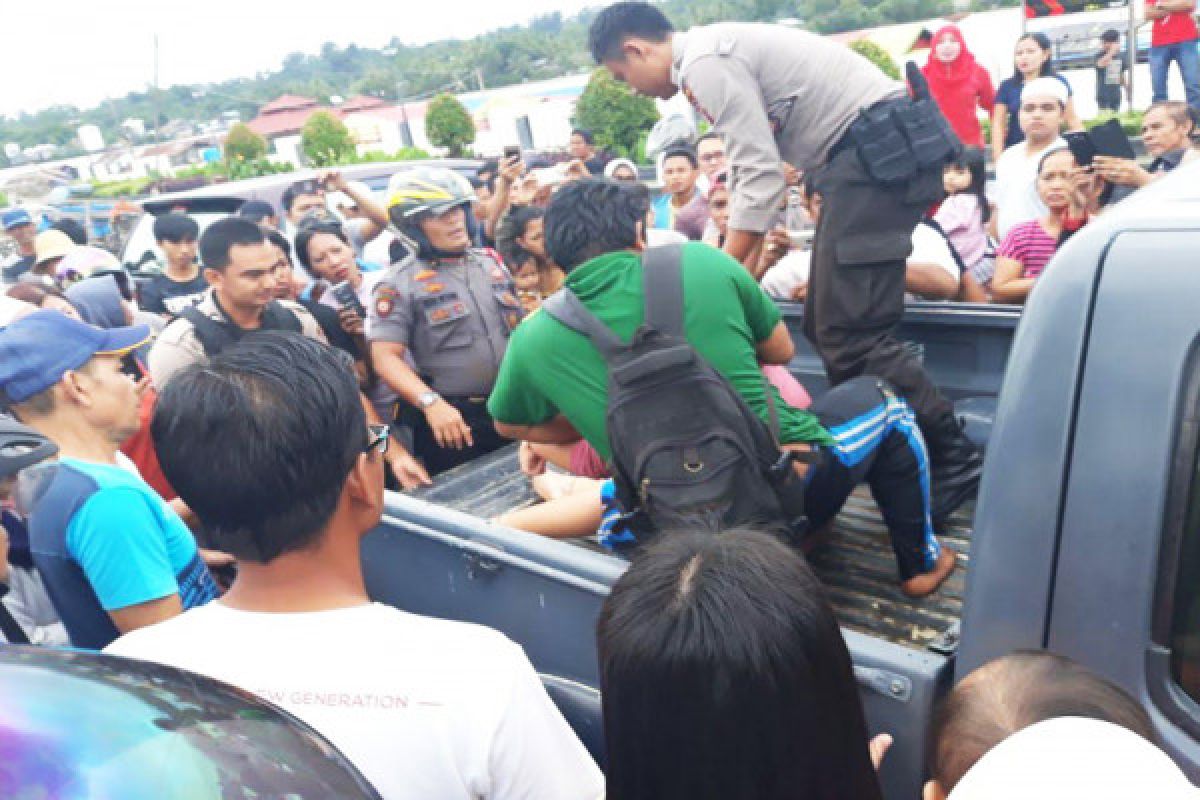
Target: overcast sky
(82, 51)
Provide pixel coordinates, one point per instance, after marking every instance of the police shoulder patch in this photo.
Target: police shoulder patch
(385, 301)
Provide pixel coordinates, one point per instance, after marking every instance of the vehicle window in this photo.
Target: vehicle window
(1185, 622)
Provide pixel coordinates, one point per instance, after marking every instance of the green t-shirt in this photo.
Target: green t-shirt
(551, 369)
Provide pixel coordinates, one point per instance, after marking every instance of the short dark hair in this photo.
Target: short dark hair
(299, 189)
(73, 229)
(279, 240)
(222, 236)
(175, 228)
(511, 227)
(256, 210)
(1110, 35)
(259, 441)
(682, 152)
(618, 22)
(591, 217)
(724, 675)
(709, 135)
(585, 134)
(307, 232)
(1014, 692)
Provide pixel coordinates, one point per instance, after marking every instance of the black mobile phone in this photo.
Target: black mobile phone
(512, 151)
(1110, 139)
(1081, 146)
(347, 298)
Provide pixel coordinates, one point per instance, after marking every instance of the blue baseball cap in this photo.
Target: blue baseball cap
(36, 350)
(16, 218)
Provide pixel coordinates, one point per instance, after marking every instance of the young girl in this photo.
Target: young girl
(963, 218)
(1031, 60)
(1028, 247)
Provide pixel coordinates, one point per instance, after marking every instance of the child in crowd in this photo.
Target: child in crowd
(1023, 255)
(963, 218)
(1010, 695)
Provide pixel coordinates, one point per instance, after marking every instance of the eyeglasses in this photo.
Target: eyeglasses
(378, 440)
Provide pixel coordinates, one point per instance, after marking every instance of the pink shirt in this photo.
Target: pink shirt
(1029, 244)
(961, 219)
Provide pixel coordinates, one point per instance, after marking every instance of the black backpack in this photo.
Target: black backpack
(687, 452)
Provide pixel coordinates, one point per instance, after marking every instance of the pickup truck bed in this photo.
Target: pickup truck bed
(856, 563)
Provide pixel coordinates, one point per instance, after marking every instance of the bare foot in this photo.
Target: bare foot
(927, 583)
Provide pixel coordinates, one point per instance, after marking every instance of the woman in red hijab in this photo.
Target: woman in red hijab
(959, 84)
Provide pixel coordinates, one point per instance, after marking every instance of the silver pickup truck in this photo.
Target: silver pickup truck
(1085, 539)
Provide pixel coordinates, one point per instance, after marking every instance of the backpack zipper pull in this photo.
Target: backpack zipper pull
(644, 490)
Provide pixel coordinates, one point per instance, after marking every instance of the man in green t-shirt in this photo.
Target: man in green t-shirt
(553, 384)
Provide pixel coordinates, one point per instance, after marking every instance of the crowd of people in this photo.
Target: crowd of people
(190, 463)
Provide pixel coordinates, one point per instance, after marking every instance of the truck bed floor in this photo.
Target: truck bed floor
(856, 564)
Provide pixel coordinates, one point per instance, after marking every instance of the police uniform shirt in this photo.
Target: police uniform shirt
(178, 346)
(774, 94)
(453, 316)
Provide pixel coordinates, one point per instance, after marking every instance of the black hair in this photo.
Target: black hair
(476, 182)
(618, 22)
(307, 232)
(973, 160)
(175, 228)
(512, 226)
(724, 676)
(591, 217)
(707, 135)
(298, 189)
(1110, 35)
(1013, 692)
(584, 134)
(487, 172)
(682, 152)
(256, 210)
(279, 240)
(73, 229)
(1042, 41)
(222, 236)
(259, 441)
(1065, 233)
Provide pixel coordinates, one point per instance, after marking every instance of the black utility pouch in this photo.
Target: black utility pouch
(882, 147)
(929, 137)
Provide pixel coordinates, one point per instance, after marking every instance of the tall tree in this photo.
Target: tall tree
(243, 144)
(615, 116)
(448, 125)
(325, 140)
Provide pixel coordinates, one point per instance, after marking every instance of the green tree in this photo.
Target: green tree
(243, 144)
(448, 125)
(616, 116)
(877, 56)
(325, 140)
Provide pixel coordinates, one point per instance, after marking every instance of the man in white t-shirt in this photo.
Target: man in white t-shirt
(1043, 109)
(427, 709)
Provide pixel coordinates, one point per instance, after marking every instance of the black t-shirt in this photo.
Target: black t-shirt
(165, 296)
(331, 326)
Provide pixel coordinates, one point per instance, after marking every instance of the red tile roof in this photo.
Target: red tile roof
(288, 102)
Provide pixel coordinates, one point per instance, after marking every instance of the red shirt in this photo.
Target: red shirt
(1176, 27)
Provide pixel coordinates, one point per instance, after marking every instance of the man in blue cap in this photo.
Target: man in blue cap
(114, 556)
(19, 225)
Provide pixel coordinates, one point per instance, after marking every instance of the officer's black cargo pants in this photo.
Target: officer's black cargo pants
(856, 283)
(438, 459)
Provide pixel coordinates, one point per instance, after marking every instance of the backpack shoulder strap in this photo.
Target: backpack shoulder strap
(213, 336)
(566, 307)
(662, 285)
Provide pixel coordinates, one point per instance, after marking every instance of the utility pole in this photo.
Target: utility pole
(479, 75)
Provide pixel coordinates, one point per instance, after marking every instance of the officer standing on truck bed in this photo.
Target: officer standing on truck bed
(451, 307)
(781, 95)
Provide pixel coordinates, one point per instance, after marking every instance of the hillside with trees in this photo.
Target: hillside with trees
(548, 46)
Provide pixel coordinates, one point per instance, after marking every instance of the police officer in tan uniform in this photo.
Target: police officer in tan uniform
(779, 95)
(440, 320)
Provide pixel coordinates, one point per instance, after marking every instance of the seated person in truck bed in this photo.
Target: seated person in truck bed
(552, 385)
(426, 708)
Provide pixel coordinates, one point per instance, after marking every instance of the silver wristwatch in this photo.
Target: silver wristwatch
(426, 399)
